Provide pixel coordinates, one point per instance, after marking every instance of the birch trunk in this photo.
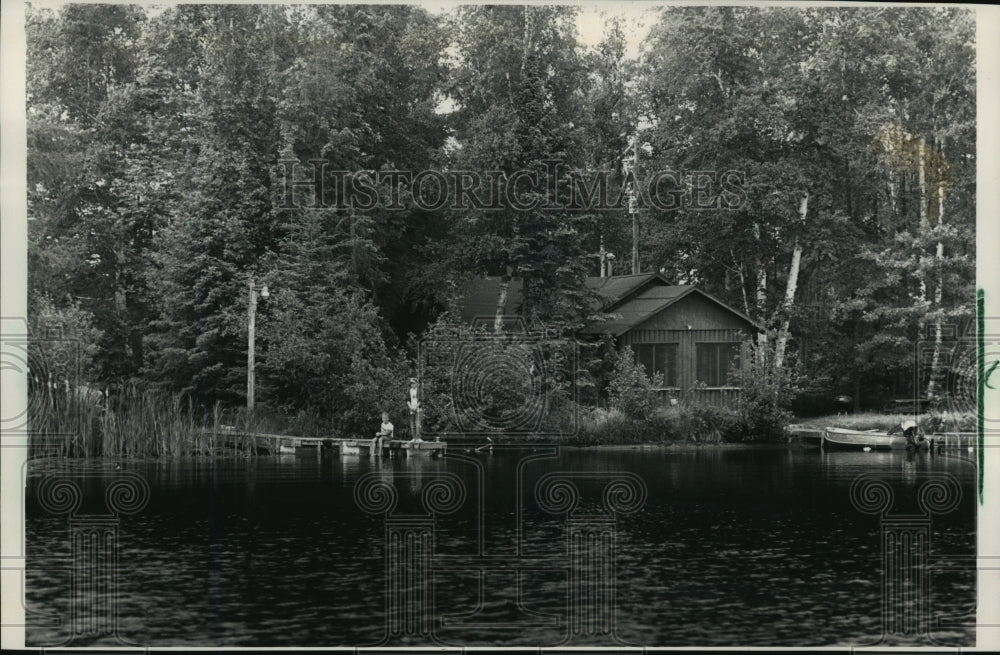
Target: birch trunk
(501, 306)
(938, 289)
(790, 287)
(761, 298)
(893, 192)
(354, 247)
(922, 181)
(743, 283)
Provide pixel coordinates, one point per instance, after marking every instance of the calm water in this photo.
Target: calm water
(752, 547)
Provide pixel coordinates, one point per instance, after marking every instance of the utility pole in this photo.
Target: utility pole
(251, 337)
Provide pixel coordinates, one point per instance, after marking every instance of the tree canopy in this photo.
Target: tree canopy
(824, 158)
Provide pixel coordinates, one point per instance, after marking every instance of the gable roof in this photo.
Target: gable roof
(614, 289)
(636, 309)
(617, 289)
(649, 302)
(631, 299)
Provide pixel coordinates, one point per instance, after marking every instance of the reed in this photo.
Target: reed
(61, 424)
(139, 422)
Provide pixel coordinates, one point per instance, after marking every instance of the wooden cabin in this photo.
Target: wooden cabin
(690, 337)
(679, 331)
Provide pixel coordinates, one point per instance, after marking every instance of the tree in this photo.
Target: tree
(86, 243)
(727, 90)
(800, 101)
(515, 83)
(222, 226)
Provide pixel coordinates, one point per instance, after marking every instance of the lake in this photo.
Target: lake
(653, 546)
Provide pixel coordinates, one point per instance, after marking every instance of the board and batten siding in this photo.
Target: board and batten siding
(688, 322)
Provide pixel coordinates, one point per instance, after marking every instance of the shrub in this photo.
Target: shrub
(761, 419)
(694, 423)
(631, 390)
(767, 394)
(938, 422)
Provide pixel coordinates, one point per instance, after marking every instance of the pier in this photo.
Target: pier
(804, 435)
(276, 444)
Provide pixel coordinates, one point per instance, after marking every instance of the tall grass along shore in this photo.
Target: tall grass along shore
(147, 423)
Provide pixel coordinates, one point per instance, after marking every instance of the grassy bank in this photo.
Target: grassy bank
(931, 423)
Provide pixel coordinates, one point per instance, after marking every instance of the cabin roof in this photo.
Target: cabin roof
(631, 299)
(614, 289)
(637, 309)
(647, 303)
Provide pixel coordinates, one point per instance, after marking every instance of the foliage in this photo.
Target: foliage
(630, 389)
(474, 380)
(767, 393)
(159, 144)
(832, 102)
(683, 423)
(517, 83)
(64, 343)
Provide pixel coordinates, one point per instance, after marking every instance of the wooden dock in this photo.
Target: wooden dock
(804, 436)
(276, 444)
(956, 440)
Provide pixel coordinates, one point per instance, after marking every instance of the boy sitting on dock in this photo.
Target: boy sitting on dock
(385, 432)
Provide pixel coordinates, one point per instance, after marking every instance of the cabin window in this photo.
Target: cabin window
(715, 361)
(658, 358)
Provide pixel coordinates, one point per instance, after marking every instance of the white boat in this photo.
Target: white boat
(874, 439)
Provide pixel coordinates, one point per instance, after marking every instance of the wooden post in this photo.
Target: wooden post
(251, 329)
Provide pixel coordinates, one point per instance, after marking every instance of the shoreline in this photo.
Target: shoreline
(684, 446)
(499, 448)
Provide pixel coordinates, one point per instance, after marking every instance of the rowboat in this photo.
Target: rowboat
(874, 439)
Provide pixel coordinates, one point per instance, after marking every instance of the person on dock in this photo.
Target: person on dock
(413, 403)
(385, 432)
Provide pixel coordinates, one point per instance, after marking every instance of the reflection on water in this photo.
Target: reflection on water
(742, 546)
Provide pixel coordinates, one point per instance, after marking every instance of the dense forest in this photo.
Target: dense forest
(161, 144)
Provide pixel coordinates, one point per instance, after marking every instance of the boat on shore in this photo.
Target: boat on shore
(874, 439)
